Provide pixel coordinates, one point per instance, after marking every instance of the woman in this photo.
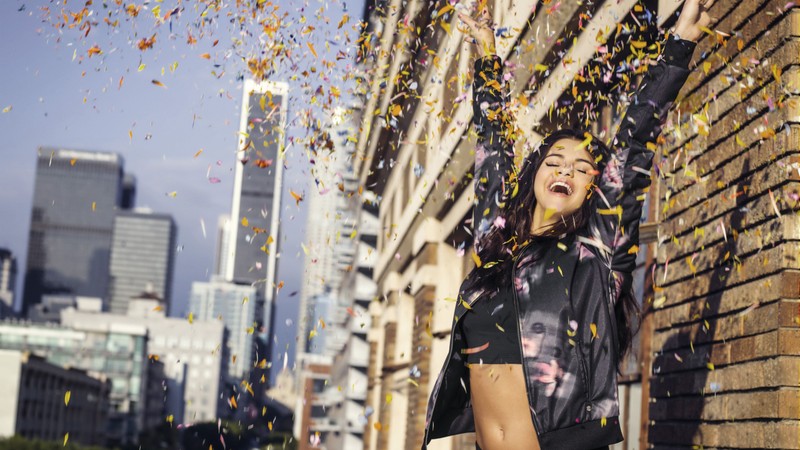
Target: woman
(543, 319)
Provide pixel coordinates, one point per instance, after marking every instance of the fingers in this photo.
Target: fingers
(469, 21)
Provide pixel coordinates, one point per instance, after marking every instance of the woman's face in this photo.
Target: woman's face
(563, 180)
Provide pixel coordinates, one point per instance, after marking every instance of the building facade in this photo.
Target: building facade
(569, 65)
(252, 247)
(192, 354)
(233, 306)
(8, 280)
(142, 258)
(76, 196)
(723, 328)
(115, 351)
(40, 400)
(337, 288)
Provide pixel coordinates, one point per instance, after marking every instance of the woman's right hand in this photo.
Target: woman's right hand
(480, 31)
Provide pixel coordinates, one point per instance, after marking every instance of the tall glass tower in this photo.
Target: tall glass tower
(76, 195)
(142, 258)
(252, 247)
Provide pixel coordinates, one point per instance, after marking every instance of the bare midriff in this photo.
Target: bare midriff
(500, 406)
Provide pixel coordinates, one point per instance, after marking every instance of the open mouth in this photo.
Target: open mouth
(560, 187)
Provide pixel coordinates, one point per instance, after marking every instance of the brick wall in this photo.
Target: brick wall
(725, 341)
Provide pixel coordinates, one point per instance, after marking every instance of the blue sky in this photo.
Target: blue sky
(55, 95)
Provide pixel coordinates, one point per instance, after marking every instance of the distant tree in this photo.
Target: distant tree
(21, 443)
(164, 436)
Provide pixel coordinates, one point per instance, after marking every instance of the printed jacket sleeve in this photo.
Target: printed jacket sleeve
(494, 154)
(626, 176)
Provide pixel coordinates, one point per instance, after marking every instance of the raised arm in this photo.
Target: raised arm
(626, 175)
(494, 154)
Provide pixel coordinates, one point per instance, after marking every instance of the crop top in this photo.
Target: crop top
(490, 330)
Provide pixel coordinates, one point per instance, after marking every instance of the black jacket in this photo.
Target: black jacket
(565, 299)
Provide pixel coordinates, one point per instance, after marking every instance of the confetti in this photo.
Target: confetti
(67, 395)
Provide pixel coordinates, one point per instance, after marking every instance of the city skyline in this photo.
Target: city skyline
(179, 140)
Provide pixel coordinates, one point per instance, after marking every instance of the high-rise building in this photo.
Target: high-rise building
(31, 390)
(142, 258)
(329, 226)
(333, 351)
(233, 305)
(8, 277)
(76, 196)
(253, 251)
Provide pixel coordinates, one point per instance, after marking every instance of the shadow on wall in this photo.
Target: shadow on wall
(679, 383)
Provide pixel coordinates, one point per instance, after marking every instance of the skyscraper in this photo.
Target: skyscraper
(76, 196)
(142, 258)
(8, 277)
(329, 226)
(251, 256)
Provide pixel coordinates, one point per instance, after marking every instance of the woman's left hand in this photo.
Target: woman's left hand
(694, 16)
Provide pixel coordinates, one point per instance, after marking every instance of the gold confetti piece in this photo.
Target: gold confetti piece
(94, 206)
(198, 153)
(710, 366)
(343, 22)
(170, 419)
(476, 258)
(311, 47)
(67, 395)
(95, 50)
(191, 317)
(377, 426)
(603, 421)
(776, 72)
(297, 197)
(659, 302)
(141, 67)
(159, 84)
(173, 194)
(73, 161)
(593, 327)
(7, 109)
(244, 221)
(388, 398)
(66, 438)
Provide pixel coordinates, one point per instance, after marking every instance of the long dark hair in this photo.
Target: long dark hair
(499, 247)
